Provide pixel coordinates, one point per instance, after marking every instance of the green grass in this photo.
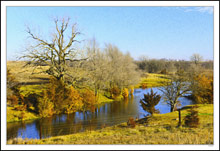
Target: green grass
(152, 80)
(14, 115)
(25, 89)
(103, 99)
(161, 129)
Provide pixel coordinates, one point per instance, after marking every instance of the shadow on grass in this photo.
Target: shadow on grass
(34, 83)
(40, 80)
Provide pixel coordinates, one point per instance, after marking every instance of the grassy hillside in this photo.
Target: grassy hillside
(24, 74)
(161, 129)
(152, 80)
(14, 115)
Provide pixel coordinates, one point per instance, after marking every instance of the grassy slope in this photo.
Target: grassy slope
(152, 80)
(162, 129)
(13, 115)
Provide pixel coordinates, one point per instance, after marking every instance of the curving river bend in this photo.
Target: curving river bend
(106, 115)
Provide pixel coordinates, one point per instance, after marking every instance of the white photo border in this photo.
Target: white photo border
(5, 4)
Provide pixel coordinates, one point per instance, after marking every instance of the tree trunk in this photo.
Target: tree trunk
(179, 124)
(172, 108)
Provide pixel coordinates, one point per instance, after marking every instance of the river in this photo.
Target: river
(106, 115)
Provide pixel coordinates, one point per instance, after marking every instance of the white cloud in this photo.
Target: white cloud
(204, 9)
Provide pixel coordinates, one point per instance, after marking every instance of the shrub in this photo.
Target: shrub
(13, 100)
(45, 106)
(115, 92)
(131, 122)
(21, 107)
(73, 101)
(125, 93)
(31, 100)
(57, 92)
(192, 120)
(143, 85)
(131, 90)
(150, 101)
(12, 89)
(89, 100)
(203, 89)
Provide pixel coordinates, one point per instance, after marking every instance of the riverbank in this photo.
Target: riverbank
(160, 129)
(14, 115)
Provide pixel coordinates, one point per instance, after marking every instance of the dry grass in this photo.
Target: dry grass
(24, 74)
(161, 129)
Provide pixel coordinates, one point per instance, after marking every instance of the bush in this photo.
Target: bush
(31, 100)
(192, 120)
(131, 90)
(13, 100)
(125, 93)
(57, 92)
(12, 89)
(131, 122)
(73, 101)
(203, 89)
(89, 100)
(21, 107)
(150, 101)
(144, 85)
(45, 106)
(115, 92)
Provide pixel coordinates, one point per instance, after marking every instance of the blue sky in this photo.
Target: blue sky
(156, 32)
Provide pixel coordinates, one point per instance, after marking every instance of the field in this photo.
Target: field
(152, 80)
(161, 129)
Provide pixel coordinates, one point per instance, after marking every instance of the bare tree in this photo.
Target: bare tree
(175, 88)
(196, 58)
(96, 66)
(55, 53)
(121, 68)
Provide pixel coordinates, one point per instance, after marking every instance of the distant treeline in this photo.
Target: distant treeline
(170, 66)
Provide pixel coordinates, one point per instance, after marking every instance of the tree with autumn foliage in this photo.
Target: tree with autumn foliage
(89, 100)
(74, 102)
(13, 95)
(125, 93)
(150, 101)
(202, 89)
(45, 105)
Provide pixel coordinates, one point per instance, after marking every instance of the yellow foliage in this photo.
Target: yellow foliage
(89, 100)
(125, 93)
(45, 105)
(115, 92)
(203, 91)
(131, 90)
(74, 101)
